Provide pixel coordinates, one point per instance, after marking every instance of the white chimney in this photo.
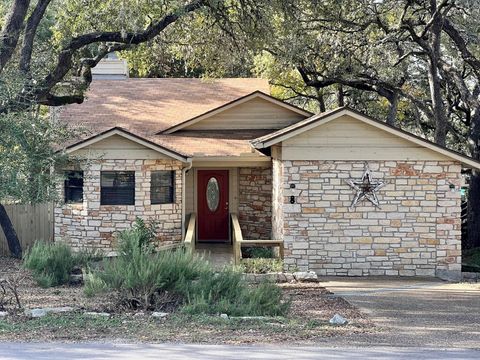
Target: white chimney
(111, 67)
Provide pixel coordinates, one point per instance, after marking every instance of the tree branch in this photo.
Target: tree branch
(30, 30)
(42, 93)
(11, 31)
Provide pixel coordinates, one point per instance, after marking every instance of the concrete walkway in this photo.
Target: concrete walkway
(55, 351)
(413, 312)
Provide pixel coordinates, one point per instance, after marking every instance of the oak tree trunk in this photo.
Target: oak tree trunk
(10, 233)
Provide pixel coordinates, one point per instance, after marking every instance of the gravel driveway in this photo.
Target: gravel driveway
(413, 312)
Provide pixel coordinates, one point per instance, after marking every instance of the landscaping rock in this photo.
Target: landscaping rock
(306, 276)
(470, 276)
(96, 314)
(159, 315)
(139, 314)
(56, 310)
(224, 316)
(277, 277)
(249, 317)
(36, 313)
(3, 314)
(449, 275)
(338, 320)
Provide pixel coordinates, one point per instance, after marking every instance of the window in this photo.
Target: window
(117, 188)
(162, 187)
(73, 186)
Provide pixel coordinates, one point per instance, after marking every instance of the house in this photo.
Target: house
(347, 194)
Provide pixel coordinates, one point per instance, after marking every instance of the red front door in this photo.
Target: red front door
(212, 205)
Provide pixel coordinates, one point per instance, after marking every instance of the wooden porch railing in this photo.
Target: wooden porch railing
(239, 241)
(189, 241)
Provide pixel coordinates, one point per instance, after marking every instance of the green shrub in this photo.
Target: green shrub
(147, 232)
(52, 263)
(261, 266)
(93, 284)
(471, 260)
(257, 252)
(138, 273)
(227, 293)
(147, 279)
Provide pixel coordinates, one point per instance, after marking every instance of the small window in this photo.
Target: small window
(73, 187)
(162, 187)
(117, 188)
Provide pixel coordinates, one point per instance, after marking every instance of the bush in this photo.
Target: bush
(147, 232)
(155, 280)
(138, 274)
(256, 252)
(52, 263)
(227, 293)
(261, 266)
(471, 260)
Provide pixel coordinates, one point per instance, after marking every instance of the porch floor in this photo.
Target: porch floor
(219, 255)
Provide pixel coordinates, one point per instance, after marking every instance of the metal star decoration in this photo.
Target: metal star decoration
(366, 188)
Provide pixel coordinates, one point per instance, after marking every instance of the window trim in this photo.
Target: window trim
(131, 188)
(173, 176)
(67, 186)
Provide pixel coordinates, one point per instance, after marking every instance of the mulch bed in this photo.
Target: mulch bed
(307, 323)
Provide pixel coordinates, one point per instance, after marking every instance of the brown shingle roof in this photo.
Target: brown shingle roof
(144, 107)
(147, 106)
(208, 143)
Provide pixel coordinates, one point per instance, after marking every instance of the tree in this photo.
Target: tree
(47, 51)
(414, 62)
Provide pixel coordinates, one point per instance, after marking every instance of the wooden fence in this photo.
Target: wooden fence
(31, 222)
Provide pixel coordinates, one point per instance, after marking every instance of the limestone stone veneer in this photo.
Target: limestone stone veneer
(93, 226)
(416, 232)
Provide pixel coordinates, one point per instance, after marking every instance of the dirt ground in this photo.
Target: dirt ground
(311, 308)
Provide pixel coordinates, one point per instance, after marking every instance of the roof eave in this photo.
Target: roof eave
(281, 135)
(130, 136)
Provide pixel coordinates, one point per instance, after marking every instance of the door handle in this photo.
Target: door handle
(226, 205)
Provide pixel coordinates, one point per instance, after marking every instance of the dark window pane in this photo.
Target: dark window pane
(162, 187)
(117, 188)
(74, 186)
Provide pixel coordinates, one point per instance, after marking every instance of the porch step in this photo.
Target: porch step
(219, 255)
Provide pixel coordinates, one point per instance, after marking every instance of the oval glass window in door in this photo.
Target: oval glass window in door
(213, 194)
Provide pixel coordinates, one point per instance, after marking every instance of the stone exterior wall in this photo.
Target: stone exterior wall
(255, 202)
(91, 225)
(416, 232)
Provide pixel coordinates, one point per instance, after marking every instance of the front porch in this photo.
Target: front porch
(225, 253)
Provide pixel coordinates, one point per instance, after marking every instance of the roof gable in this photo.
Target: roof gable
(318, 124)
(253, 111)
(119, 139)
